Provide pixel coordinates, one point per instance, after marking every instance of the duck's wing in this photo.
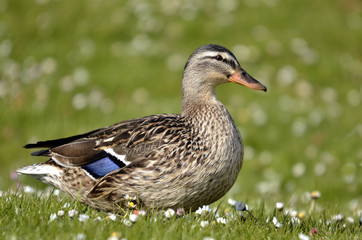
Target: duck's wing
(107, 149)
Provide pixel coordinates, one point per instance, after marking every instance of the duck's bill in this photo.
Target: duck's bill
(245, 79)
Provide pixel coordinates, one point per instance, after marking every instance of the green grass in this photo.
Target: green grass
(18, 218)
(126, 60)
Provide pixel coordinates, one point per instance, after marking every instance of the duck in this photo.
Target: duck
(161, 161)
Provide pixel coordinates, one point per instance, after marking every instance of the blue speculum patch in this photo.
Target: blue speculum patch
(103, 166)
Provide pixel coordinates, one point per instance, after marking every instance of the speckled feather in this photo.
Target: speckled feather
(164, 161)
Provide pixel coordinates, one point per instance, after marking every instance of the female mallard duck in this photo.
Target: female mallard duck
(159, 161)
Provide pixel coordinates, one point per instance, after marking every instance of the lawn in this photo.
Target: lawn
(67, 67)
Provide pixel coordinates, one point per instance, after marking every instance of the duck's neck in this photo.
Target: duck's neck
(197, 94)
(192, 104)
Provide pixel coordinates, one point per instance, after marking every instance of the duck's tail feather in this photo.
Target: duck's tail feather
(47, 172)
(58, 142)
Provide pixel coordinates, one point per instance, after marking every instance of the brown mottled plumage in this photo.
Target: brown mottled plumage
(162, 161)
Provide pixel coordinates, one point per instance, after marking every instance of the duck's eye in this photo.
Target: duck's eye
(218, 57)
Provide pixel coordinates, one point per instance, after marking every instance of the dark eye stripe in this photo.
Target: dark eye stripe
(230, 63)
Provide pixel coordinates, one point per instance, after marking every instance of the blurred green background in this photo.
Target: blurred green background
(67, 67)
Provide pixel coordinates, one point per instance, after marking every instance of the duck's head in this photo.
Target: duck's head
(209, 66)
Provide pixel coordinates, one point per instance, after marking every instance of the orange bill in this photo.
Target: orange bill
(243, 78)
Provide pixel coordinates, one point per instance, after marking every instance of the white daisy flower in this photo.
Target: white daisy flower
(279, 206)
(276, 222)
(52, 217)
(142, 212)
(222, 220)
(337, 218)
(29, 189)
(112, 216)
(231, 202)
(72, 213)
(203, 210)
(83, 217)
(169, 213)
(66, 205)
(81, 236)
(60, 213)
(350, 220)
(133, 217)
(127, 222)
(204, 224)
(302, 236)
